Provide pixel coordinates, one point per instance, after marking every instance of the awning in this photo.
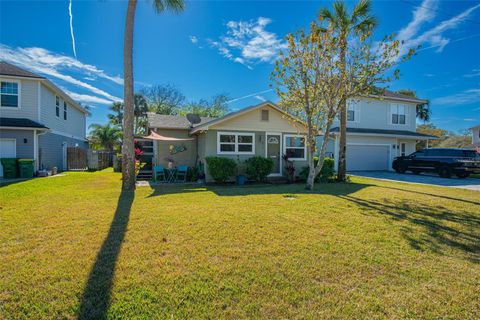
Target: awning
(155, 136)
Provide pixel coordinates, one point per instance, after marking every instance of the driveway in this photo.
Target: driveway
(454, 182)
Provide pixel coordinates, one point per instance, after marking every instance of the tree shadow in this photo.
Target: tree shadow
(334, 189)
(97, 293)
(433, 228)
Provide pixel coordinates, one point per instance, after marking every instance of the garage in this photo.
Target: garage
(7, 150)
(362, 157)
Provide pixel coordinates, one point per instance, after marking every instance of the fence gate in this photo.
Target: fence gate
(76, 158)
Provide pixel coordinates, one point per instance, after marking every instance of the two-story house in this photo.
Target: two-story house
(379, 128)
(37, 119)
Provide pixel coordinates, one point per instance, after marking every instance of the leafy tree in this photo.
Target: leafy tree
(105, 137)
(128, 172)
(214, 108)
(313, 83)
(358, 22)
(163, 99)
(423, 110)
(116, 117)
(140, 113)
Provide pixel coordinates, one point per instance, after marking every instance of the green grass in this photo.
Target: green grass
(74, 246)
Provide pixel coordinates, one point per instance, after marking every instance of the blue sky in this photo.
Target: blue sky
(228, 47)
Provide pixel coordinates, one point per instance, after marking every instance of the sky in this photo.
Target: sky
(229, 47)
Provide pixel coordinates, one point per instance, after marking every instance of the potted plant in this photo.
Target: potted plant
(240, 176)
(289, 168)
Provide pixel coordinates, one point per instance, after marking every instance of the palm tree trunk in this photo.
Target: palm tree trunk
(128, 171)
(342, 161)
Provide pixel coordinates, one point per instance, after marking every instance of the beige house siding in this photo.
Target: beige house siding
(187, 157)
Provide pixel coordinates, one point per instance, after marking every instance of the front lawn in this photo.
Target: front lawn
(74, 246)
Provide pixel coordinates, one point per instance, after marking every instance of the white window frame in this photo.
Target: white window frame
(394, 109)
(236, 134)
(351, 107)
(285, 136)
(19, 94)
(65, 107)
(404, 146)
(57, 106)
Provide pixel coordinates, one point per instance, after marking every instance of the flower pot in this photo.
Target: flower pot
(241, 180)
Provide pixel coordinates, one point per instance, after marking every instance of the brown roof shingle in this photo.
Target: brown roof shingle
(8, 69)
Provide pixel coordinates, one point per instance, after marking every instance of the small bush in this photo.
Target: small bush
(327, 173)
(221, 168)
(258, 168)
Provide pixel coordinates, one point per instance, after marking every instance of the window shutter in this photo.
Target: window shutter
(357, 112)
(390, 115)
(407, 114)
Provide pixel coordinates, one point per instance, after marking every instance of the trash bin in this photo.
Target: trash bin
(25, 167)
(9, 167)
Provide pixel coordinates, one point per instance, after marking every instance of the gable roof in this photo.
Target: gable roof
(7, 69)
(232, 115)
(390, 95)
(385, 132)
(163, 121)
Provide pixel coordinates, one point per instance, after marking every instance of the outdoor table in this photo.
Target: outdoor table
(170, 175)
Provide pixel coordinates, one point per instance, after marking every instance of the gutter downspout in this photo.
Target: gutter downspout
(36, 147)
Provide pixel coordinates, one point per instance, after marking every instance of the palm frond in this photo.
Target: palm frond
(362, 9)
(341, 14)
(171, 5)
(366, 25)
(325, 14)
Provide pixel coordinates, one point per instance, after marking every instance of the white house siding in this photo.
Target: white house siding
(28, 101)
(375, 114)
(74, 126)
(51, 149)
(24, 149)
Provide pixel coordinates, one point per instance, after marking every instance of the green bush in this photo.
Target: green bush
(221, 168)
(327, 173)
(258, 168)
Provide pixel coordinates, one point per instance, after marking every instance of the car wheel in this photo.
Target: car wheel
(445, 172)
(416, 172)
(463, 175)
(401, 169)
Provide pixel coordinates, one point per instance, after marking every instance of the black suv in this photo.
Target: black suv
(445, 162)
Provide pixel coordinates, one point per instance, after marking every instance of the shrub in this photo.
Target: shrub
(221, 168)
(258, 168)
(326, 174)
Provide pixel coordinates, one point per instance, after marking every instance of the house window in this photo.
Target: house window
(398, 114)
(57, 106)
(9, 94)
(235, 143)
(64, 110)
(264, 115)
(351, 113)
(295, 147)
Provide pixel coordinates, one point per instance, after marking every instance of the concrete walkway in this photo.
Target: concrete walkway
(428, 179)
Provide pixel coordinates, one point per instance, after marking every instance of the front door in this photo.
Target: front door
(274, 148)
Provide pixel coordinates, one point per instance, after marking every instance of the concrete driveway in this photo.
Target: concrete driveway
(429, 179)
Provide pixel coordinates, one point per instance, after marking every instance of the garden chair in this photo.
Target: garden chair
(182, 174)
(159, 173)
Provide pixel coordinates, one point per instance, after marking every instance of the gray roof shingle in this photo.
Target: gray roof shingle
(172, 122)
(387, 94)
(20, 123)
(8, 69)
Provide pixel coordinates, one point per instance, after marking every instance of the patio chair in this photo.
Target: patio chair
(159, 172)
(181, 174)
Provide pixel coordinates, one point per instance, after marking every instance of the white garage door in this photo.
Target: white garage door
(7, 150)
(368, 157)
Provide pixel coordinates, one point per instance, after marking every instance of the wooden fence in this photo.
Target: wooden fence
(76, 158)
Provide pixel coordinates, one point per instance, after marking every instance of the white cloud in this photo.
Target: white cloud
(433, 37)
(255, 94)
(261, 98)
(193, 39)
(470, 119)
(466, 97)
(71, 28)
(473, 73)
(85, 98)
(42, 61)
(247, 42)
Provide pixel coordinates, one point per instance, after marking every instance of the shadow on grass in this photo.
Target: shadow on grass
(97, 294)
(433, 228)
(334, 189)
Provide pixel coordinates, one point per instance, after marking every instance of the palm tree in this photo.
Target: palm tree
(358, 22)
(128, 172)
(105, 137)
(140, 111)
(423, 110)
